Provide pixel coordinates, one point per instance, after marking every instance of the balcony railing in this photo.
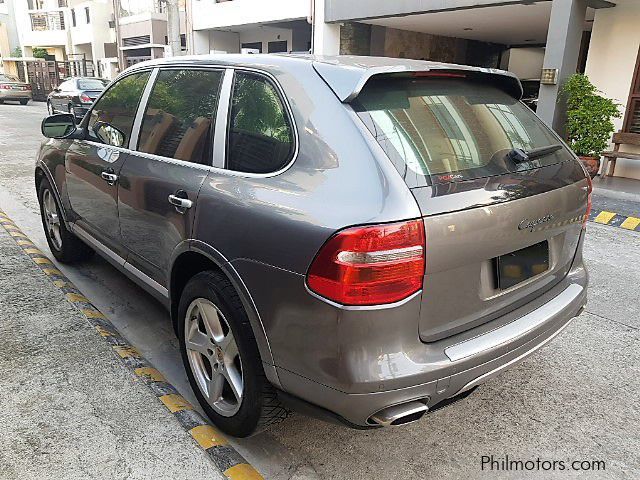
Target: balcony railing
(47, 21)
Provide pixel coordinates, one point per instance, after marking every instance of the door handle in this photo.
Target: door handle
(180, 203)
(111, 178)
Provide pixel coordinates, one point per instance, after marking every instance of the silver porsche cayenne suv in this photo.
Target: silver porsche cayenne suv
(360, 239)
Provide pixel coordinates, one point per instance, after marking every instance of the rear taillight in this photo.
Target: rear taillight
(84, 98)
(589, 201)
(370, 265)
(5, 87)
(28, 87)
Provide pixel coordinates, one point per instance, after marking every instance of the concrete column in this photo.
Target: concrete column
(563, 47)
(200, 42)
(326, 36)
(355, 39)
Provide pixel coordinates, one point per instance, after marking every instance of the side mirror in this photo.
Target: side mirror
(61, 125)
(109, 134)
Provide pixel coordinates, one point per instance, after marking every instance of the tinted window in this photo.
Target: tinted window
(260, 135)
(116, 110)
(452, 129)
(92, 84)
(180, 113)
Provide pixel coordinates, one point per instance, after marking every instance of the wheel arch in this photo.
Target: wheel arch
(42, 172)
(193, 257)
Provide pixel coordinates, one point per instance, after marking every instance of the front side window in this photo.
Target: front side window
(111, 119)
(260, 134)
(178, 121)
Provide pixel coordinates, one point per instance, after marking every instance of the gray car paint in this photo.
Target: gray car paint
(263, 231)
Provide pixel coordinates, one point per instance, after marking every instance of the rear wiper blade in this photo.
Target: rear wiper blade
(519, 155)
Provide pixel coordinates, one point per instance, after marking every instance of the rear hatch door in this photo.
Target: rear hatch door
(502, 198)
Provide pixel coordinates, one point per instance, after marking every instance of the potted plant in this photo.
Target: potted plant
(589, 121)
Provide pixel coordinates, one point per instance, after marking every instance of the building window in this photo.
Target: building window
(62, 3)
(632, 118)
(86, 15)
(253, 46)
(47, 21)
(35, 4)
(73, 17)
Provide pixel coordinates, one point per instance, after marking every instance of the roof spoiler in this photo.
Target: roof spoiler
(347, 81)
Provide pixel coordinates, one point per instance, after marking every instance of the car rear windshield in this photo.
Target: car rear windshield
(92, 84)
(7, 78)
(439, 130)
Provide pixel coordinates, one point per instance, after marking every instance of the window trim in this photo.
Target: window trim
(85, 121)
(288, 112)
(212, 168)
(142, 108)
(634, 96)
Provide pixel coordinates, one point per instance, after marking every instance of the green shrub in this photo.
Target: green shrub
(38, 52)
(589, 117)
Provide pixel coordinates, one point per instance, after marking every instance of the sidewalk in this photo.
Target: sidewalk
(69, 408)
(617, 194)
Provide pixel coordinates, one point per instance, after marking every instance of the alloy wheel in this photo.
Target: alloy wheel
(52, 219)
(214, 357)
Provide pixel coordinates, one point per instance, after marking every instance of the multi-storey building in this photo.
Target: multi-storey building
(8, 32)
(233, 26)
(142, 29)
(68, 31)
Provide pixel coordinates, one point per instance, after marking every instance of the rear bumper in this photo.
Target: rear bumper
(455, 364)
(15, 94)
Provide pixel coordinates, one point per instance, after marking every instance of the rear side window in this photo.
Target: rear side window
(180, 113)
(260, 134)
(452, 129)
(111, 119)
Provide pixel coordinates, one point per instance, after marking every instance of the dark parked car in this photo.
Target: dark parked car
(75, 95)
(362, 239)
(12, 89)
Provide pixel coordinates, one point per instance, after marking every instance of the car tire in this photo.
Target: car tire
(212, 320)
(50, 109)
(65, 246)
(24, 102)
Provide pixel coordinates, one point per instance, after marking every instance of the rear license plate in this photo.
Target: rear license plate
(518, 266)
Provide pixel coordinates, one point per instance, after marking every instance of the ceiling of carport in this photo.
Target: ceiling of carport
(508, 24)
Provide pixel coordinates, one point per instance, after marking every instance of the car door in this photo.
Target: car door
(160, 180)
(93, 165)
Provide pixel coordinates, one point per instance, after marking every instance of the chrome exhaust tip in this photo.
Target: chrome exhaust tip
(399, 414)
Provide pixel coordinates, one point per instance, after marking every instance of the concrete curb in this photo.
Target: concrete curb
(230, 463)
(615, 220)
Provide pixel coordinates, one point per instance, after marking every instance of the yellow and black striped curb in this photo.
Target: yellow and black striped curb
(210, 439)
(615, 220)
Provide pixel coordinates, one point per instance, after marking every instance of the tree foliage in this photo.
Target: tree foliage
(589, 117)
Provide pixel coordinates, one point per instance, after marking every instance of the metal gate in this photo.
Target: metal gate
(76, 68)
(43, 76)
